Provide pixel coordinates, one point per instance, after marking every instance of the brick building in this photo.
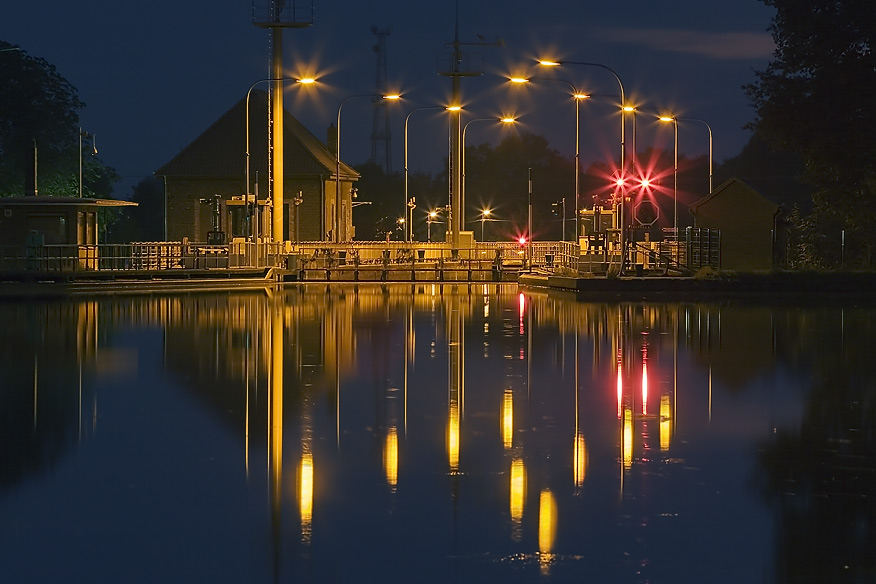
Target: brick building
(751, 233)
(205, 182)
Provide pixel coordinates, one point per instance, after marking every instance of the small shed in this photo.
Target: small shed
(747, 221)
(63, 227)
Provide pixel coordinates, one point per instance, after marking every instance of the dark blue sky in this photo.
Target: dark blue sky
(155, 74)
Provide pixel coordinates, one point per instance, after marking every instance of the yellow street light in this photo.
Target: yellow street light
(505, 120)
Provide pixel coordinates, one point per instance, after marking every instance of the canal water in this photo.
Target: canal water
(426, 433)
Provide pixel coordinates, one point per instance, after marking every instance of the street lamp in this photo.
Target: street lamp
(674, 120)
(504, 120)
(577, 96)
(84, 134)
(548, 63)
(484, 214)
(277, 208)
(710, 143)
(336, 219)
(428, 107)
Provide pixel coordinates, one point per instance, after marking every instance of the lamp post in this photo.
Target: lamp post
(277, 207)
(674, 120)
(710, 144)
(484, 214)
(336, 218)
(548, 63)
(408, 117)
(84, 134)
(504, 120)
(577, 95)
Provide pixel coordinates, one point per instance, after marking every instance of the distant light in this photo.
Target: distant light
(581, 96)
(306, 80)
(646, 183)
(487, 212)
(666, 119)
(521, 240)
(508, 120)
(629, 108)
(392, 96)
(549, 63)
(619, 182)
(519, 80)
(454, 108)
(433, 214)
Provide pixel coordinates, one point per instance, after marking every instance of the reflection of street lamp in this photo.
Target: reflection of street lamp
(436, 107)
(484, 214)
(504, 120)
(84, 134)
(336, 219)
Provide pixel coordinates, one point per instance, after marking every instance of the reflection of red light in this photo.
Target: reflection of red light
(644, 388)
(522, 303)
(620, 387)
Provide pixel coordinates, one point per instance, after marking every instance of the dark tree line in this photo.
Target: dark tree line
(41, 111)
(815, 101)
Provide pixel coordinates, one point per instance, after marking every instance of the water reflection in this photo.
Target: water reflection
(433, 424)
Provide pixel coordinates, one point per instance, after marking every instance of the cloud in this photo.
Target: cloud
(716, 45)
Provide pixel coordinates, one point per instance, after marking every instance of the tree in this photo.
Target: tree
(146, 221)
(41, 109)
(815, 99)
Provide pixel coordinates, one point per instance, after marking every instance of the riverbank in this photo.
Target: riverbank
(763, 286)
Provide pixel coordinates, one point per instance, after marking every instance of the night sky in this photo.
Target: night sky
(155, 74)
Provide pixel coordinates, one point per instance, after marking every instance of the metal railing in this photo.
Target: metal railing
(697, 249)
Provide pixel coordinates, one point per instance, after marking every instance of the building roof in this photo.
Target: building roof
(220, 151)
(734, 183)
(47, 201)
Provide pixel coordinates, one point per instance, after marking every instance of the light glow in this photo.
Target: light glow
(454, 108)
(508, 120)
(665, 423)
(518, 497)
(519, 80)
(547, 526)
(453, 437)
(628, 108)
(390, 457)
(580, 460)
(392, 96)
(547, 63)
(508, 419)
(306, 80)
(666, 119)
(628, 438)
(581, 96)
(305, 495)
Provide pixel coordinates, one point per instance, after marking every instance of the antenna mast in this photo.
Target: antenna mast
(380, 125)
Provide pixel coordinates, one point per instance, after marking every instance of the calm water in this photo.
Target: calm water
(435, 434)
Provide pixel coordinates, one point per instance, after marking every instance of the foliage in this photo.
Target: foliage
(146, 221)
(41, 108)
(815, 99)
(498, 179)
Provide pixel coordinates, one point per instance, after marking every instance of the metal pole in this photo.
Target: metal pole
(529, 221)
(277, 156)
(405, 205)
